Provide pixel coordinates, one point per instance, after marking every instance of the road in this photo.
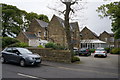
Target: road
(89, 67)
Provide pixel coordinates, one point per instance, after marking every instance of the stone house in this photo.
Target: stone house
(56, 32)
(35, 34)
(90, 40)
(28, 37)
(109, 39)
(88, 34)
(39, 28)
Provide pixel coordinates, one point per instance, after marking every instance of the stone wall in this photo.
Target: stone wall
(53, 55)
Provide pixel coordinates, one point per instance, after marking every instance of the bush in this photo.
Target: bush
(54, 46)
(107, 49)
(75, 58)
(92, 50)
(59, 47)
(40, 46)
(115, 51)
(8, 41)
(51, 45)
(19, 44)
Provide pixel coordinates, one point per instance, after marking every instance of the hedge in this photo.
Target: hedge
(75, 58)
(54, 46)
(115, 51)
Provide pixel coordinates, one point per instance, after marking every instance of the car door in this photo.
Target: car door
(7, 54)
(16, 56)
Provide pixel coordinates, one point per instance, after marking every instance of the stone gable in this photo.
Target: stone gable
(39, 28)
(88, 34)
(56, 32)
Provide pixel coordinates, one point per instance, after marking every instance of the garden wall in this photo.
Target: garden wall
(53, 55)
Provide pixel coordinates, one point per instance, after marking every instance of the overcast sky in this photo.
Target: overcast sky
(87, 17)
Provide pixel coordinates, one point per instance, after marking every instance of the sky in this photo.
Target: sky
(87, 17)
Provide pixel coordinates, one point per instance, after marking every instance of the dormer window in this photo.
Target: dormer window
(39, 34)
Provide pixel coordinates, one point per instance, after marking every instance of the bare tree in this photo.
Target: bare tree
(70, 10)
(68, 4)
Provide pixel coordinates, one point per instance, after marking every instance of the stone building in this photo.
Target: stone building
(28, 37)
(52, 32)
(39, 28)
(88, 34)
(90, 40)
(35, 34)
(56, 32)
(109, 39)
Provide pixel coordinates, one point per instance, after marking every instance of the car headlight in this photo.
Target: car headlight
(30, 58)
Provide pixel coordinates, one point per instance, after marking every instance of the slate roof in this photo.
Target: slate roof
(30, 35)
(42, 23)
(73, 25)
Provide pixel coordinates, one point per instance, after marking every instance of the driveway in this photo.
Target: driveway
(89, 67)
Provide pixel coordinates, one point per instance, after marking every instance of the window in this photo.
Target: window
(15, 51)
(9, 49)
(106, 39)
(39, 34)
(44, 34)
(111, 39)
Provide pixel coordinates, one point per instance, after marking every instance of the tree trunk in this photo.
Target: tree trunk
(67, 28)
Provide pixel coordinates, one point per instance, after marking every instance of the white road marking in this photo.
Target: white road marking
(29, 76)
(24, 75)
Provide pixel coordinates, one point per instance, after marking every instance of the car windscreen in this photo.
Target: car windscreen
(83, 50)
(24, 51)
(100, 50)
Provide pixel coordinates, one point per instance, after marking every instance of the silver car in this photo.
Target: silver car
(100, 52)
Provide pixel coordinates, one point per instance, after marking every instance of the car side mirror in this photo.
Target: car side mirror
(17, 53)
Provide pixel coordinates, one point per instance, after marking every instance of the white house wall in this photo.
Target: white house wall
(33, 42)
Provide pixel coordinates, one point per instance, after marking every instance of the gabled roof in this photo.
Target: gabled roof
(111, 34)
(42, 23)
(90, 31)
(30, 35)
(73, 25)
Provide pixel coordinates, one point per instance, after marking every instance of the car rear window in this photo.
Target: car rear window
(100, 50)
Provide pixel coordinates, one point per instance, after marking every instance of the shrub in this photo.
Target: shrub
(115, 51)
(75, 58)
(8, 41)
(107, 49)
(40, 46)
(51, 45)
(92, 50)
(19, 44)
(59, 47)
(54, 46)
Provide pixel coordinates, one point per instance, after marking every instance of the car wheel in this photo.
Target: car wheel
(2, 59)
(22, 63)
(95, 56)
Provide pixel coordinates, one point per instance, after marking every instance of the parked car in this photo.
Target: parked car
(75, 51)
(84, 51)
(100, 52)
(20, 55)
